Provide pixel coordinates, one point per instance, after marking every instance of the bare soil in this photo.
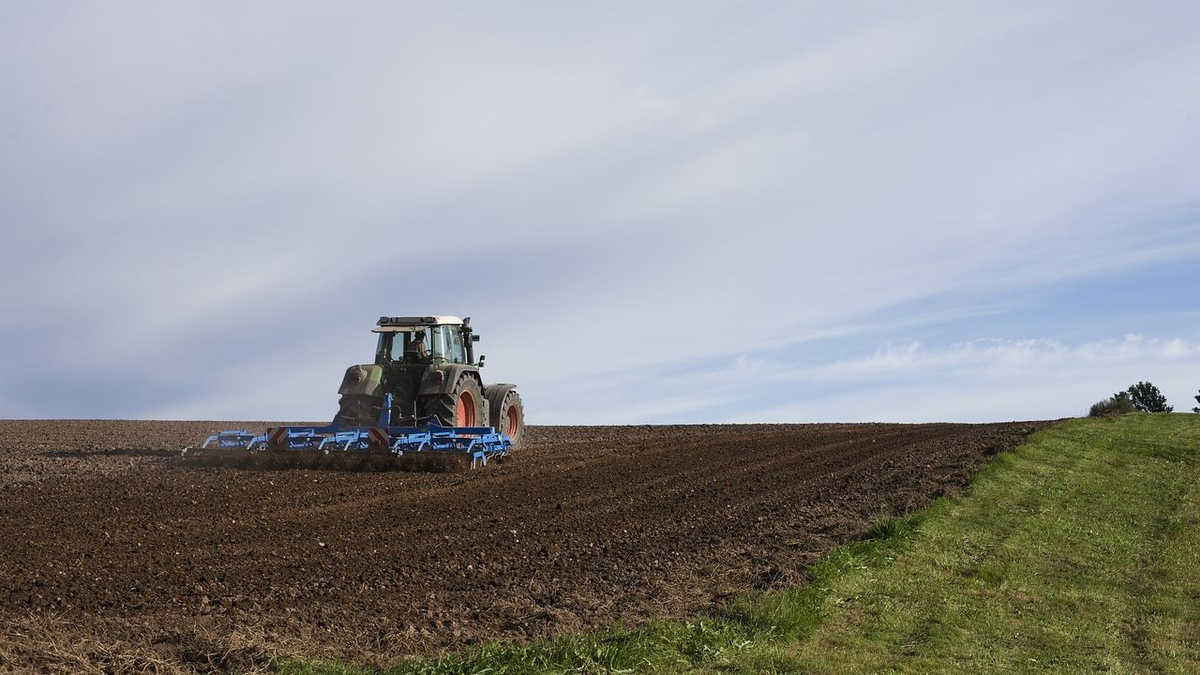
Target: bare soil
(115, 555)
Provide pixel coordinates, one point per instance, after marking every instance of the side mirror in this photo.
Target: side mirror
(481, 358)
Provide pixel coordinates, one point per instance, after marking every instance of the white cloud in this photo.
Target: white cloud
(980, 380)
(989, 380)
(1010, 357)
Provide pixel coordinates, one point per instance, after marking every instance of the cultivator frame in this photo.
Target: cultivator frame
(478, 444)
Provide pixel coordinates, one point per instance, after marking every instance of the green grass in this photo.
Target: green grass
(1080, 551)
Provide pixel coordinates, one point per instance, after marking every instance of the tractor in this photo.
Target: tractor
(422, 396)
(428, 365)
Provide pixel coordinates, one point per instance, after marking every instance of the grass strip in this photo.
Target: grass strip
(1079, 551)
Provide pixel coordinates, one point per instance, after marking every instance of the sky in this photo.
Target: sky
(672, 212)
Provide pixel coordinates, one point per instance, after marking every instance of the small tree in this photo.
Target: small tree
(1147, 398)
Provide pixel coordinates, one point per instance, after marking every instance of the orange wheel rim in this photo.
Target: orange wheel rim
(512, 421)
(465, 412)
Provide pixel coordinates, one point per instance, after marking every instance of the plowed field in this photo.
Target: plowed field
(115, 554)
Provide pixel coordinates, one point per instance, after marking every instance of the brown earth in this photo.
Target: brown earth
(115, 555)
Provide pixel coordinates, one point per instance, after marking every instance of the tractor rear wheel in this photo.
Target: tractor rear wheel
(463, 407)
(507, 411)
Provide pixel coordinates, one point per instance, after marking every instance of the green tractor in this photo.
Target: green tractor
(428, 365)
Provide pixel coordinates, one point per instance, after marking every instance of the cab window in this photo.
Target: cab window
(448, 344)
(383, 351)
(455, 345)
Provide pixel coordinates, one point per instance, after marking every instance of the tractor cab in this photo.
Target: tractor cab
(425, 340)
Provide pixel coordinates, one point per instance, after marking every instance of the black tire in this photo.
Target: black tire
(506, 410)
(358, 411)
(445, 406)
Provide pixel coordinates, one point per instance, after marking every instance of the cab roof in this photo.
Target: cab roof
(402, 323)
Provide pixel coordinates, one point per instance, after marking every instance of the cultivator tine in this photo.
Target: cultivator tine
(238, 439)
(409, 442)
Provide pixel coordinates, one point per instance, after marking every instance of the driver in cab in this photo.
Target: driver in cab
(416, 349)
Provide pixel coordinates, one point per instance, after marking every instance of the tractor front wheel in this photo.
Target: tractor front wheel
(461, 408)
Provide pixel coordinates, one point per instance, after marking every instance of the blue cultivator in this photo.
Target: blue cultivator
(477, 444)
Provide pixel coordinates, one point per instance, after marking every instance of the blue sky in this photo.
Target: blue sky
(659, 212)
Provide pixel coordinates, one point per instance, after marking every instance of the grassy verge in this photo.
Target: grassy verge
(1078, 551)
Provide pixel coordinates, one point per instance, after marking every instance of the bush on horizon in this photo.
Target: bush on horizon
(1143, 397)
(1118, 404)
